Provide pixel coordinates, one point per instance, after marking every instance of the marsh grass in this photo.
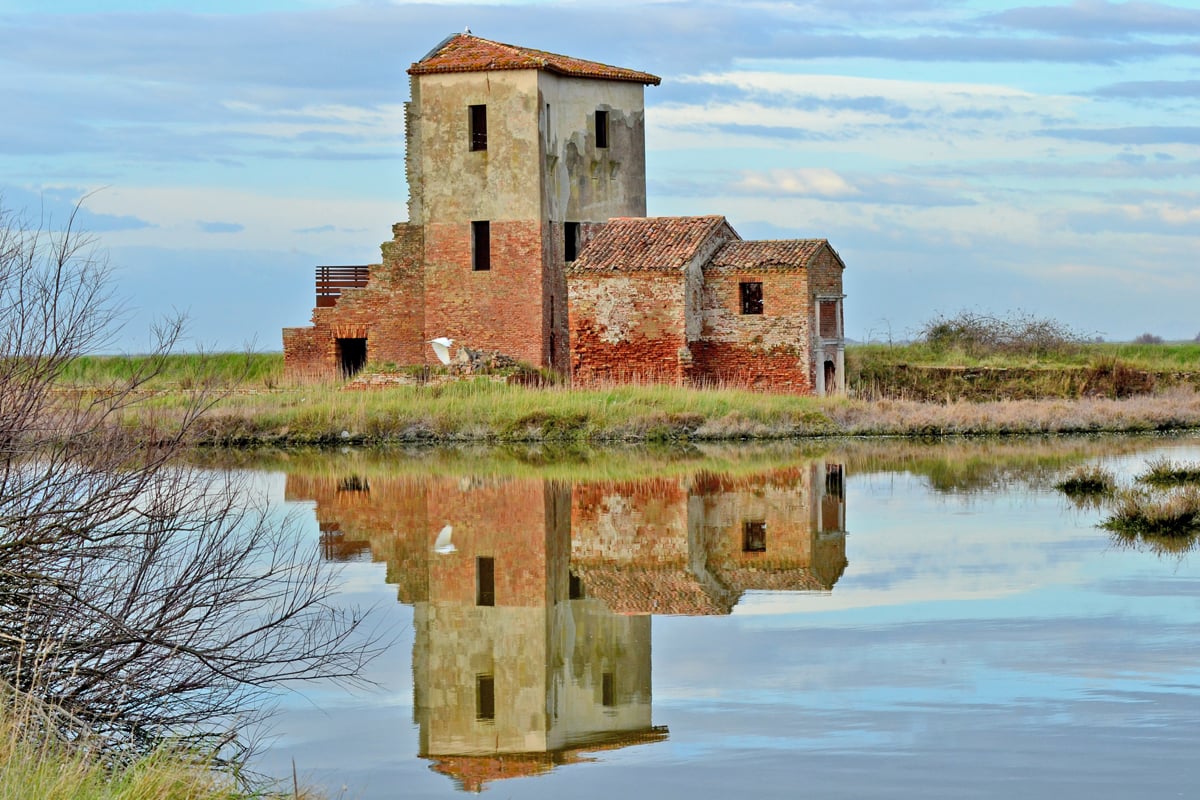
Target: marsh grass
(486, 412)
(1163, 472)
(1156, 516)
(178, 370)
(38, 759)
(1088, 480)
(259, 407)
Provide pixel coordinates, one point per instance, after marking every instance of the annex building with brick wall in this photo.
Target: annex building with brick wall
(527, 235)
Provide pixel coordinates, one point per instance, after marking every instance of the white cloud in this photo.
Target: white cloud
(812, 182)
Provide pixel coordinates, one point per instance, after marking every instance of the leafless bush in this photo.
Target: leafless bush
(978, 334)
(1148, 338)
(140, 597)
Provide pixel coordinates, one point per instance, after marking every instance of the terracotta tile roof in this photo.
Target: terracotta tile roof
(654, 590)
(796, 579)
(473, 773)
(771, 254)
(466, 53)
(647, 244)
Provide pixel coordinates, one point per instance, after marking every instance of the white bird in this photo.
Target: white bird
(443, 545)
(441, 348)
(467, 30)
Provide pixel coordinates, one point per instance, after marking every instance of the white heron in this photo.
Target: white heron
(441, 348)
(443, 545)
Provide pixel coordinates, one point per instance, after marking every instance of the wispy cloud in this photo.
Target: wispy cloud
(1140, 134)
(1100, 18)
(221, 227)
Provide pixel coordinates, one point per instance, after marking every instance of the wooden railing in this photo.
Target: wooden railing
(331, 281)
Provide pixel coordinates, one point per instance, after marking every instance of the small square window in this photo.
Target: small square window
(754, 536)
(485, 697)
(485, 581)
(570, 241)
(477, 121)
(601, 129)
(752, 297)
(481, 246)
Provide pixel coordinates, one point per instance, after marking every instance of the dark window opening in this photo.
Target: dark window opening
(481, 246)
(754, 536)
(485, 581)
(752, 297)
(485, 697)
(831, 516)
(477, 116)
(601, 128)
(353, 483)
(352, 356)
(830, 376)
(829, 319)
(834, 480)
(570, 241)
(608, 690)
(552, 348)
(574, 588)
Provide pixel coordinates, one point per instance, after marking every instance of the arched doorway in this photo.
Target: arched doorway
(830, 377)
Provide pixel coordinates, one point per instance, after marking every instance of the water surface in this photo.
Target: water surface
(851, 621)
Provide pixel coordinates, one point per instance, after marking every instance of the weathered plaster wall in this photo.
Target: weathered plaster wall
(459, 184)
(797, 555)
(457, 640)
(768, 350)
(584, 183)
(628, 328)
(630, 522)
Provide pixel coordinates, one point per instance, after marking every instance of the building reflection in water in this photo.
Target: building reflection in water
(533, 598)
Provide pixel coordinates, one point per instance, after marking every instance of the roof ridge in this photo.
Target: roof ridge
(466, 52)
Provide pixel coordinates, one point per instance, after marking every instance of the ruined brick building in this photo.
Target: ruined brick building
(527, 235)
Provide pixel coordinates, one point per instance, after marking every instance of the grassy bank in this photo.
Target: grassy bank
(926, 372)
(260, 407)
(46, 757)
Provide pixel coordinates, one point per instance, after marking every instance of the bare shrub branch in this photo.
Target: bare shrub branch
(141, 597)
(1015, 333)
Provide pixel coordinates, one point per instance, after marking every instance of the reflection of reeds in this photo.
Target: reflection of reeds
(1156, 516)
(1087, 481)
(1164, 472)
(1164, 518)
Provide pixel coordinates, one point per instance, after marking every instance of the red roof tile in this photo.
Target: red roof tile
(466, 53)
(658, 244)
(778, 254)
(473, 772)
(653, 590)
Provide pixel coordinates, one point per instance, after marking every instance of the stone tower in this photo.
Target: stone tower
(514, 158)
(513, 154)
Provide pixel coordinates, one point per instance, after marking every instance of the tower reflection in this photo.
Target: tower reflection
(533, 598)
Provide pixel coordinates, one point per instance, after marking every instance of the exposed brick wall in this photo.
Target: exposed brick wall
(388, 514)
(767, 351)
(388, 312)
(498, 309)
(825, 274)
(627, 328)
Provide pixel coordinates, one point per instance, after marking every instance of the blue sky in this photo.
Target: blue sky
(991, 156)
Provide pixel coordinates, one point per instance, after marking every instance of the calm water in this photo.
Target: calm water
(871, 621)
